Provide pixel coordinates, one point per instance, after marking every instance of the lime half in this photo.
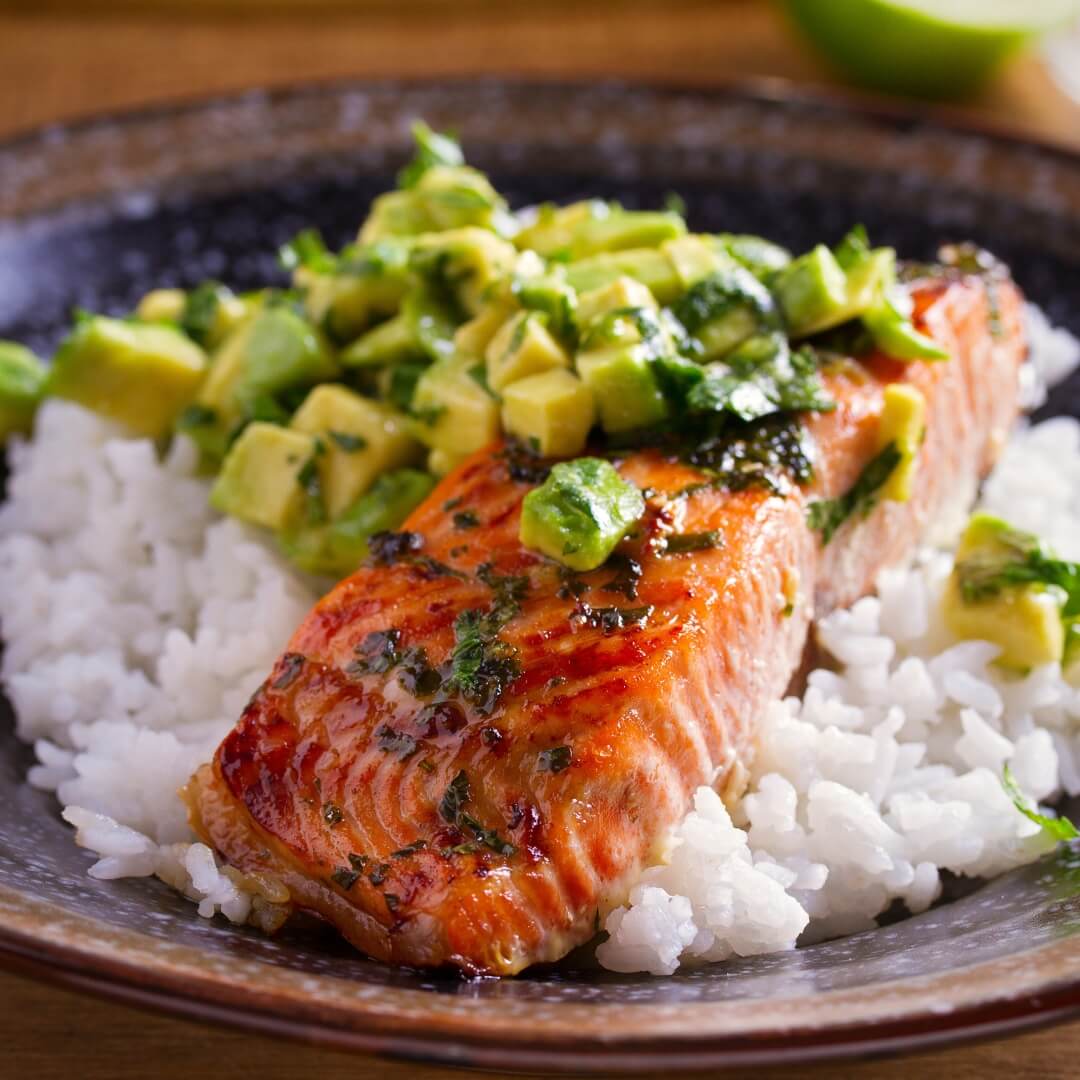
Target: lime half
(929, 48)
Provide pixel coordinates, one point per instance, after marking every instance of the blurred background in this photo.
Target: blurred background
(1013, 62)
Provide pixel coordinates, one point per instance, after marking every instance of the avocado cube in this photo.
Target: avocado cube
(522, 346)
(162, 305)
(22, 377)
(261, 478)
(445, 197)
(362, 438)
(139, 374)
(903, 422)
(724, 332)
(622, 294)
(273, 351)
(624, 386)
(283, 351)
(552, 412)
(580, 512)
(391, 342)
(651, 266)
(467, 260)
(810, 292)
(338, 548)
(896, 336)
(473, 337)
(368, 288)
(441, 462)
(693, 257)
(1023, 618)
(588, 228)
(1026, 623)
(453, 410)
(761, 257)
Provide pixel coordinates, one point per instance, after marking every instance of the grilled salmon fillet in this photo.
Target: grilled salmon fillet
(496, 832)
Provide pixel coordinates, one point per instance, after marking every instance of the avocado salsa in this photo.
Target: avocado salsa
(326, 412)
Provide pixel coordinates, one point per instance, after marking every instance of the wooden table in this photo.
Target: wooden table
(60, 61)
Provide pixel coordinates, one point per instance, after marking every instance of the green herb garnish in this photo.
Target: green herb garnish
(432, 148)
(827, 515)
(1058, 828)
(556, 759)
(291, 665)
(678, 543)
(201, 307)
(349, 443)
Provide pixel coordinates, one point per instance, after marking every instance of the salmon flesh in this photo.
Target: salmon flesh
(493, 825)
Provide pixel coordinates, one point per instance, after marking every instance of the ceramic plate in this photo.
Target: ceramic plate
(90, 215)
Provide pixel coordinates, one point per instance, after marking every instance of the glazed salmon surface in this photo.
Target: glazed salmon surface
(497, 833)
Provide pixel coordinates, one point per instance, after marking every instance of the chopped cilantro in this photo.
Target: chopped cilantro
(290, 666)
(556, 759)
(432, 148)
(827, 515)
(1058, 828)
(349, 443)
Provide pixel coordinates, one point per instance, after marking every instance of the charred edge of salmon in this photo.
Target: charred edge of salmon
(667, 719)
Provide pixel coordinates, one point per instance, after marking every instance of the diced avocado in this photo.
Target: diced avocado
(588, 228)
(522, 346)
(815, 293)
(621, 294)
(454, 412)
(896, 336)
(433, 318)
(651, 266)
(162, 305)
(22, 377)
(811, 290)
(760, 256)
(580, 512)
(624, 386)
(1023, 617)
(441, 462)
(903, 423)
(444, 197)
(139, 374)
(261, 478)
(283, 351)
(693, 257)
(274, 351)
(362, 438)
(211, 312)
(724, 332)
(473, 337)
(396, 385)
(1025, 623)
(552, 412)
(338, 548)
(724, 309)
(367, 286)
(551, 295)
(467, 261)
(391, 342)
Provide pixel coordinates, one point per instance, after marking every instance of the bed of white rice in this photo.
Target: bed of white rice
(137, 622)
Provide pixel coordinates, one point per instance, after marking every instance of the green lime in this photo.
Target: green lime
(929, 48)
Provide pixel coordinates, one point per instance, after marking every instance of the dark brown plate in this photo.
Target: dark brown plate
(91, 215)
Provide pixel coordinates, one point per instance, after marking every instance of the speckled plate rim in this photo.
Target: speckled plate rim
(985, 1000)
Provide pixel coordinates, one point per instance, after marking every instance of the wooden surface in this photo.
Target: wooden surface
(58, 62)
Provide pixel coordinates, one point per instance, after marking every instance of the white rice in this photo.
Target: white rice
(137, 622)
